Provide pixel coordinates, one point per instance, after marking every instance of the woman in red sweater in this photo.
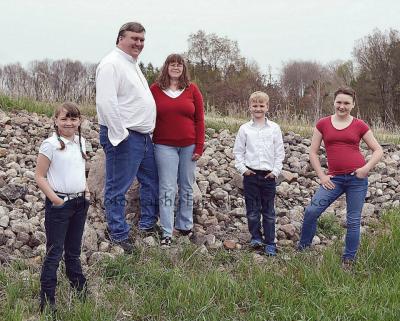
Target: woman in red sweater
(179, 140)
(347, 170)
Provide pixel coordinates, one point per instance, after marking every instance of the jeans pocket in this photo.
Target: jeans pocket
(59, 206)
(361, 179)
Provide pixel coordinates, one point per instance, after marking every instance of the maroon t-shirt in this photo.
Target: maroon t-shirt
(343, 145)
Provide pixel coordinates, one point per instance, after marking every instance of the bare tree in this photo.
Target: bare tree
(306, 85)
(378, 57)
(213, 51)
(342, 72)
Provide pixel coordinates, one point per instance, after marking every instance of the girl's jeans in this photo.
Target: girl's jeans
(64, 229)
(355, 189)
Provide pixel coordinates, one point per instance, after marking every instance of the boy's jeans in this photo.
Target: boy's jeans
(64, 229)
(356, 190)
(133, 157)
(259, 193)
(175, 165)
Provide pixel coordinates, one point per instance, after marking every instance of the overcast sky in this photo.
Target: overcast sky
(268, 31)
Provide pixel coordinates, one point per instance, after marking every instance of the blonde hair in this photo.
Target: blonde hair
(258, 96)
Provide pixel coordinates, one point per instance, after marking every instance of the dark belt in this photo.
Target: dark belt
(69, 196)
(259, 171)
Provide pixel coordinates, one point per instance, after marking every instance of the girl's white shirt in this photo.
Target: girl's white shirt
(173, 93)
(66, 172)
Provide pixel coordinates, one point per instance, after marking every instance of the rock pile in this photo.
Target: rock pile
(220, 219)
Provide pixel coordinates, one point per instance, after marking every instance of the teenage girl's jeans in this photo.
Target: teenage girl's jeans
(259, 193)
(175, 166)
(133, 157)
(64, 229)
(356, 190)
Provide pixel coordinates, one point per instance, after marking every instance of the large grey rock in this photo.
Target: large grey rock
(12, 192)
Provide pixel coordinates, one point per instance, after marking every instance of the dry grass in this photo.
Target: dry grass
(297, 124)
(289, 122)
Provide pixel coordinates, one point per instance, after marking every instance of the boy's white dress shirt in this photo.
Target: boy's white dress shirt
(259, 148)
(123, 97)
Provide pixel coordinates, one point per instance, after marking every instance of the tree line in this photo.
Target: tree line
(226, 78)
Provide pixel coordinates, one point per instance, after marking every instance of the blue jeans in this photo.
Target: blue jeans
(175, 166)
(133, 157)
(356, 190)
(64, 229)
(259, 194)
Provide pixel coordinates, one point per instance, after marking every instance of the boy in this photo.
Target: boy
(259, 154)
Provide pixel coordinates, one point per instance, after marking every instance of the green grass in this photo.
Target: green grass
(328, 225)
(186, 285)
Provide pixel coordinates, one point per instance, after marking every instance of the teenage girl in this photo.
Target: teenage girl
(347, 170)
(60, 174)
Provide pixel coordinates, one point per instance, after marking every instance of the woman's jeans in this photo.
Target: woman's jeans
(133, 157)
(259, 194)
(64, 229)
(175, 166)
(355, 189)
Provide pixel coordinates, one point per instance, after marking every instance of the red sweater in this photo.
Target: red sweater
(343, 145)
(180, 120)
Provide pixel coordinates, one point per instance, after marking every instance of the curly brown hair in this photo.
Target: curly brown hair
(163, 79)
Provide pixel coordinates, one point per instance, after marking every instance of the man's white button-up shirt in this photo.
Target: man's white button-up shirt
(123, 98)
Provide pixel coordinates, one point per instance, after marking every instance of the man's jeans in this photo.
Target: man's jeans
(64, 229)
(175, 165)
(356, 190)
(133, 157)
(259, 193)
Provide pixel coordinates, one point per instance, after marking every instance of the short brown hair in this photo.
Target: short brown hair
(130, 26)
(163, 79)
(258, 96)
(345, 90)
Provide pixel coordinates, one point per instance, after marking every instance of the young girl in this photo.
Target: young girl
(60, 174)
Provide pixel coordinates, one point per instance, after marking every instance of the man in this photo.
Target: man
(127, 113)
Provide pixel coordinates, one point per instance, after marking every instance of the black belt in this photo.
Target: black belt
(69, 196)
(259, 171)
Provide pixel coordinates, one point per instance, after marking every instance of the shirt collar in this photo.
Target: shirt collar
(125, 55)
(66, 141)
(267, 124)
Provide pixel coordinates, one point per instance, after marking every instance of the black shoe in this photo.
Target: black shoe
(126, 245)
(348, 264)
(184, 232)
(47, 306)
(166, 242)
(82, 293)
